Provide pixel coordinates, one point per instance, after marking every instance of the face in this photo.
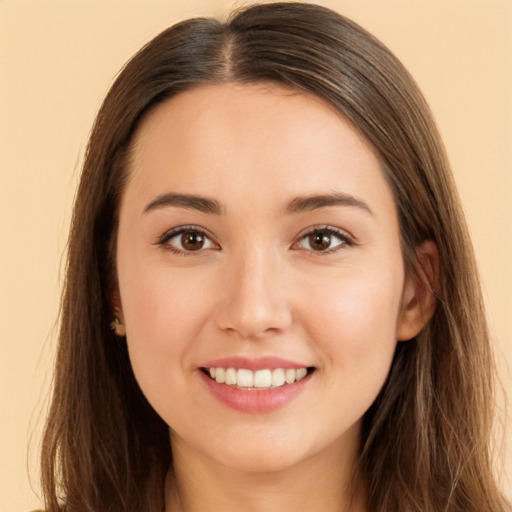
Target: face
(261, 280)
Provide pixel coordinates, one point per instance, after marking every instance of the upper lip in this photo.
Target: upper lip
(258, 363)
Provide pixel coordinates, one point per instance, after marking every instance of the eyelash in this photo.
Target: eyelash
(345, 239)
(169, 235)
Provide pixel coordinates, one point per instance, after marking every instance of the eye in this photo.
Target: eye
(323, 240)
(187, 240)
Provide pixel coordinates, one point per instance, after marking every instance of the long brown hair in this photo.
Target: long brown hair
(426, 439)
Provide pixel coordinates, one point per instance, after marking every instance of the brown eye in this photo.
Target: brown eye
(323, 240)
(187, 240)
(320, 241)
(192, 240)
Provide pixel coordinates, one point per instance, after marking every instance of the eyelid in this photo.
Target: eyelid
(343, 235)
(346, 238)
(173, 232)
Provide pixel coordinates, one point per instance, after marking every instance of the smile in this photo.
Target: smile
(245, 379)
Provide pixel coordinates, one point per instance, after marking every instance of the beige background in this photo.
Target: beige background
(58, 58)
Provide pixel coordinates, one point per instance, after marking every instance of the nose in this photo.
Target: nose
(253, 302)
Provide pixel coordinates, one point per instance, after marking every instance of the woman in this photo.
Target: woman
(271, 299)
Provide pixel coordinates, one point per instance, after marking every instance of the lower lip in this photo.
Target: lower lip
(255, 401)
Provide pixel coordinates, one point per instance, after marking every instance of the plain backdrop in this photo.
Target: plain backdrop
(58, 58)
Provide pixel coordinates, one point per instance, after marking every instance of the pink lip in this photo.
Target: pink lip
(254, 401)
(253, 364)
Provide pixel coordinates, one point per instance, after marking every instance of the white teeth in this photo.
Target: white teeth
(289, 376)
(301, 373)
(220, 375)
(278, 377)
(260, 379)
(244, 378)
(230, 376)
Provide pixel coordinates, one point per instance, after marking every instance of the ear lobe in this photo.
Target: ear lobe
(419, 297)
(117, 324)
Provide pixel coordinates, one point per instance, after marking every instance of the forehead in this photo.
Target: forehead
(233, 140)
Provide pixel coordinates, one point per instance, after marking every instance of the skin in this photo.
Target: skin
(258, 288)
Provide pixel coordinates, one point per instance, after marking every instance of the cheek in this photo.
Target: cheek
(159, 302)
(163, 314)
(355, 325)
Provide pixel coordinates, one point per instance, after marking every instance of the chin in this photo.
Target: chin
(270, 452)
(261, 462)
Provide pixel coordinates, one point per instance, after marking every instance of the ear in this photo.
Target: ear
(419, 296)
(117, 324)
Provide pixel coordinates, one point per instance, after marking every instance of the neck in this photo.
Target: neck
(197, 483)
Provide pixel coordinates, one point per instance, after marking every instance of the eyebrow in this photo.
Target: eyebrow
(193, 202)
(305, 204)
(297, 205)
